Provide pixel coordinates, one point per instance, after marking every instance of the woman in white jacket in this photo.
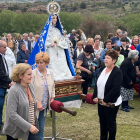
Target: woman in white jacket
(10, 59)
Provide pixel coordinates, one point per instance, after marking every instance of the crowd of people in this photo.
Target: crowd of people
(110, 67)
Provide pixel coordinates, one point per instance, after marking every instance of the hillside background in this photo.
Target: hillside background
(92, 16)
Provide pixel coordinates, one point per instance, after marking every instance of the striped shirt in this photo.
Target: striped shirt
(31, 113)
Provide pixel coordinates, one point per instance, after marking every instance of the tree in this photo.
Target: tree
(28, 22)
(83, 5)
(70, 20)
(92, 27)
(6, 17)
(113, 1)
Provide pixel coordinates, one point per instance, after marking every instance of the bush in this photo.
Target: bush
(92, 27)
(83, 5)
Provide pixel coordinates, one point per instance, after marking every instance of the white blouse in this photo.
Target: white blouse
(101, 82)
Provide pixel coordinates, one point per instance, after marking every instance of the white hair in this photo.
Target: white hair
(73, 30)
(133, 54)
(25, 34)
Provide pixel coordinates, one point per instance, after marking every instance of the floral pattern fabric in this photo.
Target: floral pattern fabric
(45, 94)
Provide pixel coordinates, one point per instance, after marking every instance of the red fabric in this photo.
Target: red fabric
(55, 106)
(89, 99)
(136, 86)
(132, 47)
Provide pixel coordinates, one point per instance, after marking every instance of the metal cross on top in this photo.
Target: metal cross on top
(52, 2)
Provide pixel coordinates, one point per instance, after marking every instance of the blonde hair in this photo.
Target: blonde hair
(90, 39)
(98, 36)
(19, 69)
(135, 37)
(43, 56)
(80, 43)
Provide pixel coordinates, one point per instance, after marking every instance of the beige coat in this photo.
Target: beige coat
(38, 83)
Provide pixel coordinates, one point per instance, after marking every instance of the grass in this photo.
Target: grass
(85, 126)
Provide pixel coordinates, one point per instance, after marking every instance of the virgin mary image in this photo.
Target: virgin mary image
(53, 42)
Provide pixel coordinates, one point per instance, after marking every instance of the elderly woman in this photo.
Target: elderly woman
(78, 50)
(44, 89)
(85, 63)
(107, 90)
(21, 120)
(23, 54)
(129, 78)
(120, 58)
(101, 44)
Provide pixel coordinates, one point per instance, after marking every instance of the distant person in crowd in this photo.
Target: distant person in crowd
(26, 41)
(23, 54)
(101, 44)
(97, 54)
(85, 63)
(19, 38)
(120, 36)
(15, 39)
(124, 48)
(97, 50)
(31, 38)
(78, 50)
(107, 90)
(90, 41)
(139, 37)
(81, 35)
(20, 119)
(72, 38)
(110, 35)
(115, 39)
(5, 81)
(10, 59)
(126, 35)
(135, 42)
(34, 42)
(3, 38)
(129, 78)
(44, 89)
(11, 44)
(108, 47)
(120, 58)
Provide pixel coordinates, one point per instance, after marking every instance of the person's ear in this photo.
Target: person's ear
(20, 76)
(114, 61)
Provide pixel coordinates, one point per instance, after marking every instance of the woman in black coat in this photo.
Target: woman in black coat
(23, 54)
(107, 90)
(129, 76)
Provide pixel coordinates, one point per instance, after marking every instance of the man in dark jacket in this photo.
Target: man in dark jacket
(72, 38)
(5, 81)
(26, 41)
